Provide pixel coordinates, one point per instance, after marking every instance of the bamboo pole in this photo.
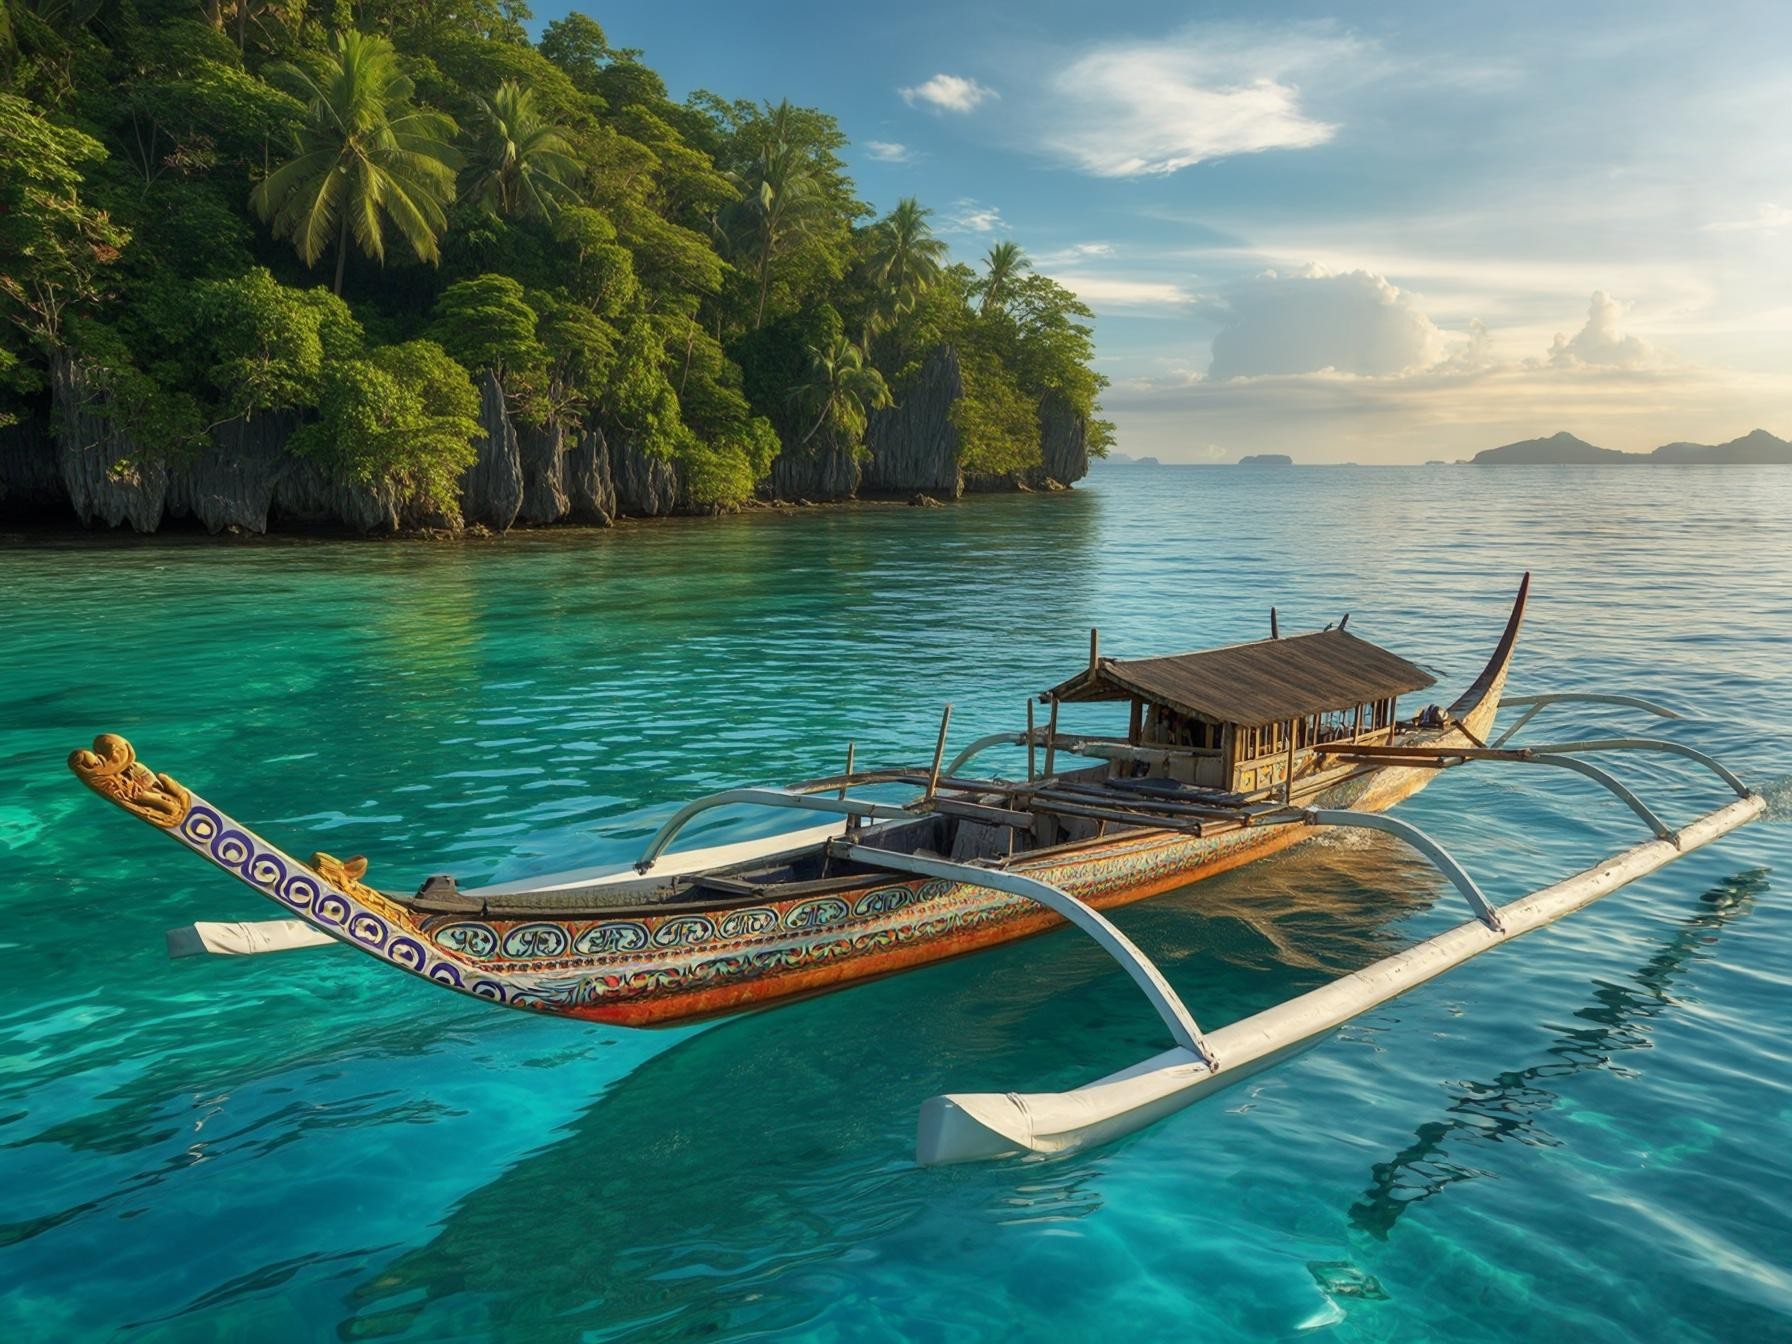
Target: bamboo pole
(1051, 738)
(939, 754)
(1030, 743)
(1288, 779)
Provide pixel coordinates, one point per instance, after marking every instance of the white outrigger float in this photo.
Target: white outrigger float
(1231, 754)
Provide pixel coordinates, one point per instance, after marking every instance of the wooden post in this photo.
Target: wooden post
(1094, 650)
(1030, 743)
(1136, 729)
(1288, 780)
(1051, 737)
(939, 753)
(1275, 631)
(1345, 621)
(852, 822)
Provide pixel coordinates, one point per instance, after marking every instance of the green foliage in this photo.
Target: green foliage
(840, 392)
(264, 346)
(366, 159)
(997, 422)
(699, 279)
(404, 416)
(55, 249)
(522, 163)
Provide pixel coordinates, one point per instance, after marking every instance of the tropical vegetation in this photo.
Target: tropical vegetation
(353, 212)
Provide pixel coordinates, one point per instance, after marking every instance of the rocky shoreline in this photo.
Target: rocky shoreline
(243, 480)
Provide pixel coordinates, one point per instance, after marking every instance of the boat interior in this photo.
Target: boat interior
(1217, 740)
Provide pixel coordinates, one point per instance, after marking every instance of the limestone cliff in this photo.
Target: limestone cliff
(308, 495)
(913, 445)
(645, 486)
(230, 482)
(492, 488)
(1063, 442)
(107, 479)
(542, 456)
(585, 478)
(821, 469)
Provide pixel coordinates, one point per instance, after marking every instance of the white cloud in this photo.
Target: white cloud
(1768, 218)
(1118, 294)
(1074, 253)
(888, 151)
(1474, 355)
(1600, 343)
(968, 215)
(948, 93)
(1156, 107)
(1313, 321)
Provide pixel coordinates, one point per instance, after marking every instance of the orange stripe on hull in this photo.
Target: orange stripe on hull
(674, 1007)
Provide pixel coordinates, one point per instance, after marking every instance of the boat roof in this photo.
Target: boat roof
(1267, 681)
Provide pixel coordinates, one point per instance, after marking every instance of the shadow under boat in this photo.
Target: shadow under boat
(1510, 1105)
(778, 1141)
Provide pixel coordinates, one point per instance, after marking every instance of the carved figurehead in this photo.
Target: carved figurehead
(112, 771)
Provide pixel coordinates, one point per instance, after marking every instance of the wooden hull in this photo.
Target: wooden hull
(640, 970)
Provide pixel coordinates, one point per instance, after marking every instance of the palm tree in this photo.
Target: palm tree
(842, 390)
(905, 260)
(366, 159)
(780, 200)
(1003, 266)
(523, 163)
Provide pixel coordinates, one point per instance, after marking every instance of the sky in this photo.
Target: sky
(1384, 233)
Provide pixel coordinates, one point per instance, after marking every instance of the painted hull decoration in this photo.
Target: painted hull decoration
(1231, 755)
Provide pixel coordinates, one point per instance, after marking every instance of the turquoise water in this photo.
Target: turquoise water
(1587, 1133)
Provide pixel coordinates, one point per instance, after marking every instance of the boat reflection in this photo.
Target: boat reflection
(1510, 1106)
(716, 1186)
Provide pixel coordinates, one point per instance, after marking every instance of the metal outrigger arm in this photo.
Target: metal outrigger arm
(803, 802)
(969, 1127)
(1536, 703)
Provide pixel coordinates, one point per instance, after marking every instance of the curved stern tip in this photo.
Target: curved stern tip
(1483, 694)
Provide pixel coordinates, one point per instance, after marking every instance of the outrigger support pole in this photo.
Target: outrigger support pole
(972, 1127)
(1445, 862)
(842, 807)
(1164, 999)
(1538, 702)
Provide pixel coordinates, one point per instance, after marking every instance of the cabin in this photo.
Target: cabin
(1245, 719)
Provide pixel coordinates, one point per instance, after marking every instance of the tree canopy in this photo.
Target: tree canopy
(351, 212)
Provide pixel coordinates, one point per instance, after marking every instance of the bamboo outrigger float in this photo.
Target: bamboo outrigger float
(1230, 755)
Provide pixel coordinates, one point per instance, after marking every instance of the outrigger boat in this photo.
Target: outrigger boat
(1230, 754)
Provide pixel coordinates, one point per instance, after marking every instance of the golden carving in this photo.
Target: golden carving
(111, 770)
(344, 874)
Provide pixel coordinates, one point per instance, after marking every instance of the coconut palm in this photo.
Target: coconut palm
(841, 390)
(366, 160)
(1002, 266)
(522, 163)
(905, 260)
(780, 201)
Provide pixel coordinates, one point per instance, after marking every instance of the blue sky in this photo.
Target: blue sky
(1384, 233)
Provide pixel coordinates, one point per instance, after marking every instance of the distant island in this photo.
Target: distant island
(1266, 460)
(1114, 459)
(1564, 449)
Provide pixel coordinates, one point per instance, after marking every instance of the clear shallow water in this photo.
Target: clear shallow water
(1585, 1133)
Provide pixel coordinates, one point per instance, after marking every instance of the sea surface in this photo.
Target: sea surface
(1585, 1135)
